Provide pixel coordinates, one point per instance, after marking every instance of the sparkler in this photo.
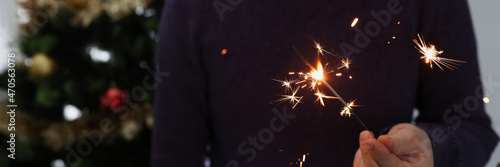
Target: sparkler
(314, 78)
(317, 77)
(430, 55)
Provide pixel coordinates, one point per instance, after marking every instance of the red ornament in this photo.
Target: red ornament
(114, 101)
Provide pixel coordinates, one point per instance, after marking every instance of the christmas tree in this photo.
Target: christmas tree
(84, 84)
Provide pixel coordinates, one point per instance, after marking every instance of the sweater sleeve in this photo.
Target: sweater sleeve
(180, 130)
(450, 101)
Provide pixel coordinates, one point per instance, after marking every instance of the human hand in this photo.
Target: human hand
(405, 145)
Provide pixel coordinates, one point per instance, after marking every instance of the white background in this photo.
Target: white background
(485, 16)
(486, 19)
(8, 27)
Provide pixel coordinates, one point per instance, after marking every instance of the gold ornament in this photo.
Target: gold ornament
(130, 129)
(42, 66)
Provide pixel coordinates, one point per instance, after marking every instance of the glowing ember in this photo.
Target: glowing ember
(486, 100)
(354, 22)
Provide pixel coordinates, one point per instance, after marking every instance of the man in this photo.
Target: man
(216, 104)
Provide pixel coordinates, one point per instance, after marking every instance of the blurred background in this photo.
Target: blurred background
(85, 78)
(84, 81)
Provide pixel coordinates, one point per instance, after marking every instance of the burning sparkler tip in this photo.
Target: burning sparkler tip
(314, 78)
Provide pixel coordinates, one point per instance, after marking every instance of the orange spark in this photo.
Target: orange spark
(345, 63)
(430, 55)
(321, 96)
(347, 111)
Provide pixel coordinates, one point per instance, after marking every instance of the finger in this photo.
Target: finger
(384, 157)
(392, 144)
(358, 161)
(404, 154)
(404, 139)
(366, 146)
(400, 140)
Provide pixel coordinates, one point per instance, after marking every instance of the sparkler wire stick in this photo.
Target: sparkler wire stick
(343, 102)
(303, 58)
(331, 89)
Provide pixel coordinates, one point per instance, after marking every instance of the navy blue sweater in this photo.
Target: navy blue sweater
(218, 105)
